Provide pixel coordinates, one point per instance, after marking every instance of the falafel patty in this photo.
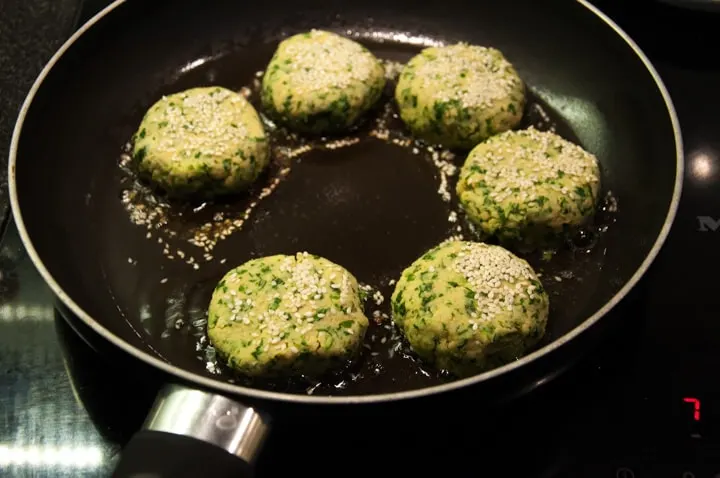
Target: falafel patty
(282, 315)
(320, 82)
(459, 95)
(207, 140)
(467, 307)
(526, 187)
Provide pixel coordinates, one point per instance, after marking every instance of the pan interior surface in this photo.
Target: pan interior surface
(366, 203)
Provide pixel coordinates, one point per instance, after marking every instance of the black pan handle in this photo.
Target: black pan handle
(192, 433)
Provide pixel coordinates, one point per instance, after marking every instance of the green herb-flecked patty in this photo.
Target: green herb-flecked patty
(207, 140)
(321, 82)
(467, 307)
(525, 187)
(282, 315)
(459, 95)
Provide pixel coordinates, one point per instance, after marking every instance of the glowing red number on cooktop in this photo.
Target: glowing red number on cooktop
(696, 407)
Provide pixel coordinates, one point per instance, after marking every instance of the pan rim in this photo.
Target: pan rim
(241, 391)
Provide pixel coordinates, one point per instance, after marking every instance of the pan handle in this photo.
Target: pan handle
(191, 433)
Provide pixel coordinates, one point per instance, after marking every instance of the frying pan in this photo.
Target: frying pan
(118, 256)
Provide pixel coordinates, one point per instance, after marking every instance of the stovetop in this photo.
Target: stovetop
(646, 403)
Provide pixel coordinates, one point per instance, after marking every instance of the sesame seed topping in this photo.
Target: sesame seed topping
(302, 299)
(318, 61)
(203, 119)
(474, 75)
(497, 277)
(528, 160)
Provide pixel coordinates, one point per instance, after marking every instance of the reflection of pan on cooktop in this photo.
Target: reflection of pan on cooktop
(115, 392)
(377, 204)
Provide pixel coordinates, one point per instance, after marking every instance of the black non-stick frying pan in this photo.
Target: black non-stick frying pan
(121, 258)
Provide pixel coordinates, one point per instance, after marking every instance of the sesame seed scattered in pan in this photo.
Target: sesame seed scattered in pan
(157, 215)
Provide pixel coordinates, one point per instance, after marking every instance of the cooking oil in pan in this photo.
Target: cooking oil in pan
(193, 226)
(345, 205)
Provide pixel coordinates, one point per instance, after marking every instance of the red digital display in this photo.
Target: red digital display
(696, 407)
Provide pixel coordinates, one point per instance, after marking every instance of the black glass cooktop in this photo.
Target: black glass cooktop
(646, 403)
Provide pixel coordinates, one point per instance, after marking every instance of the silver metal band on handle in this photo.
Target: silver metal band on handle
(213, 418)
